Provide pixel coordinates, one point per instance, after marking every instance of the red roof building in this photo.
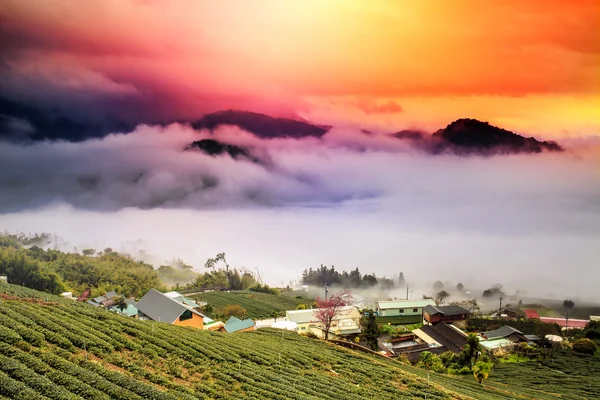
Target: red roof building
(531, 314)
(563, 323)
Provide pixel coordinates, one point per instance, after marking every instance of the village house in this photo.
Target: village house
(401, 311)
(503, 338)
(345, 322)
(157, 306)
(449, 314)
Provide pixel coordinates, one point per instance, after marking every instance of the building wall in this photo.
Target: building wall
(399, 319)
(432, 319)
(392, 312)
(195, 322)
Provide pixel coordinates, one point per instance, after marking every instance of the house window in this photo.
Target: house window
(415, 310)
(187, 314)
(303, 328)
(401, 311)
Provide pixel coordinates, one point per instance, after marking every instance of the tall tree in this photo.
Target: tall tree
(328, 309)
(370, 329)
(438, 285)
(401, 280)
(568, 306)
(460, 287)
(120, 303)
(441, 296)
(212, 263)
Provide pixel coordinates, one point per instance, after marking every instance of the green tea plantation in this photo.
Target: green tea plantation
(51, 348)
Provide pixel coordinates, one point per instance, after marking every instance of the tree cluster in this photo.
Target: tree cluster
(469, 361)
(55, 271)
(353, 279)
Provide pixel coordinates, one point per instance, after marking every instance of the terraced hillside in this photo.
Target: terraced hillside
(52, 348)
(258, 305)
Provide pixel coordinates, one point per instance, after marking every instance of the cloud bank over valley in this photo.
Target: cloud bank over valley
(349, 198)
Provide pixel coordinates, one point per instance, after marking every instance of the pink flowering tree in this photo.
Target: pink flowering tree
(327, 309)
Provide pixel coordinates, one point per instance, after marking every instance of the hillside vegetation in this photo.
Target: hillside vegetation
(258, 305)
(53, 348)
(53, 271)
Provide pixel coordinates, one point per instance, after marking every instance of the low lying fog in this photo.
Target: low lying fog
(530, 222)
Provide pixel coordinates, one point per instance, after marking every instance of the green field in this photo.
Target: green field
(52, 348)
(567, 374)
(258, 305)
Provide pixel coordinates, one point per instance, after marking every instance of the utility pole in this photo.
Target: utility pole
(407, 291)
(500, 308)
(326, 291)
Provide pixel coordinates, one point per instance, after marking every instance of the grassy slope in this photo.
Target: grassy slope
(258, 305)
(65, 350)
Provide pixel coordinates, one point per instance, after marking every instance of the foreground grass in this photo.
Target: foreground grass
(258, 305)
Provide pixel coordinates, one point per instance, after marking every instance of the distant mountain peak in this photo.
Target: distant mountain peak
(214, 147)
(261, 125)
(467, 135)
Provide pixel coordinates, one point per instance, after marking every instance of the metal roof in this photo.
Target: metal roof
(405, 304)
(446, 310)
(159, 307)
(234, 324)
(130, 311)
(181, 299)
(500, 333)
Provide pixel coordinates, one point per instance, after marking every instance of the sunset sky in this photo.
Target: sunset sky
(530, 66)
(97, 96)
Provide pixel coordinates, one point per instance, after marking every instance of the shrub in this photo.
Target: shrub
(431, 361)
(234, 310)
(585, 346)
(481, 371)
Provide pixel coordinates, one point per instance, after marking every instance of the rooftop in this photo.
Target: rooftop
(159, 307)
(405, 303)
(130, 311)
(234, 324)
(500, 333)
(305, 316)
(563, 323)
(446, 310)
(531, 314)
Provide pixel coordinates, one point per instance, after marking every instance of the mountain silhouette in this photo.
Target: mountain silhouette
(214, 147)
(470, 136)
(261, 125)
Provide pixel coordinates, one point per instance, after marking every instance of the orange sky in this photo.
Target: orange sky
(531, 66)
